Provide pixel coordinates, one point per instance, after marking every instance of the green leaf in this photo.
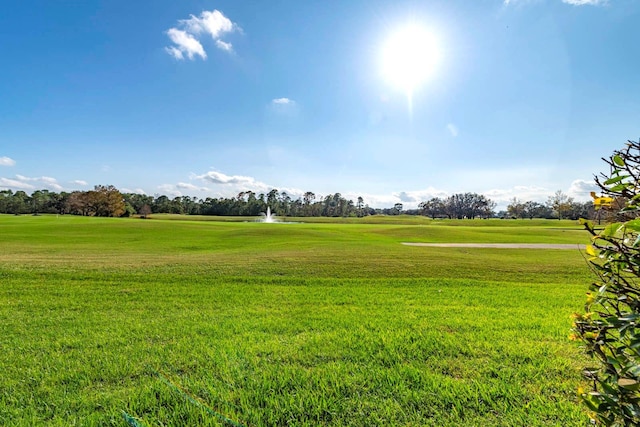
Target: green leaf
(618, 160)
(633, 225)
(628, 383)
(618, 188)
(611, 229)
(615, 179)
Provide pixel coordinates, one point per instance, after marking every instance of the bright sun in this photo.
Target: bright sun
(409, 57)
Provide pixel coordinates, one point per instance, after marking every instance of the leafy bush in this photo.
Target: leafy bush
(609, 326)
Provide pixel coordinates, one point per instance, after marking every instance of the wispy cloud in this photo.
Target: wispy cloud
(169, 190)
(188, 186)
(28, 183)
(181, 189)
(186, 36)
(7, 161)
(79, 182)
(46, 181)
(417, 196)
(224, 45)
(585, 2)
(502, 196)
(453, 130)
(283, 107)
(132, 191)
(219, 178)
(282, 101)
(12, 184)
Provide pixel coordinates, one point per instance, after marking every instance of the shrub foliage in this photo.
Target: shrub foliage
(609, 326)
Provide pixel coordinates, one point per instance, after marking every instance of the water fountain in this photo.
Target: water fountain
(268, 217)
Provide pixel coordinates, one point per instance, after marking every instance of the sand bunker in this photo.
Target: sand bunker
(499, 245)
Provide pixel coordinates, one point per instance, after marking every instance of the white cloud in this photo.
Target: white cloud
(222, 179)
(134, 191)
(283, 108)
(413, 198)
(186, 36)
(224, 45)
(46, 181)
(502, 196)
(213, 23)
(188, 186)
(7, 161)
(169, 190)
(410, 199)
(79, 182)
(186, 43)
(405, 197)
(223, 185)
(584, 2)
(580, 189)
(453, 130)
(175, 52)
(283, 101)
(11, 184)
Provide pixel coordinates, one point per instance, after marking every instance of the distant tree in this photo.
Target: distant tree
(5, 201)
(59, 202)
(285, 204)
(108, 201)
(103, 200)
(144, 211)
(272, 199)
(487, 208)
(41, 201)
(560, 203)
(308, 198)
(535, 210)
(161, 204)
(175, 206)
(516, 209)
(433, 207)
(20, 202)
(468, 205)
(137, 201)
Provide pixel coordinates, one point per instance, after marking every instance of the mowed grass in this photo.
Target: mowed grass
(287, 324)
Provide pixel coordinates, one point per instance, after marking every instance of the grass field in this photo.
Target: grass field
(287, 324)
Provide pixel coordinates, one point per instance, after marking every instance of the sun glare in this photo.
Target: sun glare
(409, 58)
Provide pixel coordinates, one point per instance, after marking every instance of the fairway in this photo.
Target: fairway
(300, 324)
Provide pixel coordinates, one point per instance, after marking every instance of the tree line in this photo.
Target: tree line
(108, 201)
(558, 206)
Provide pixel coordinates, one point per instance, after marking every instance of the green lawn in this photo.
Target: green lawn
(287, 324)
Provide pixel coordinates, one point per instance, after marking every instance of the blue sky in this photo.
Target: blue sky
(210, 98)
